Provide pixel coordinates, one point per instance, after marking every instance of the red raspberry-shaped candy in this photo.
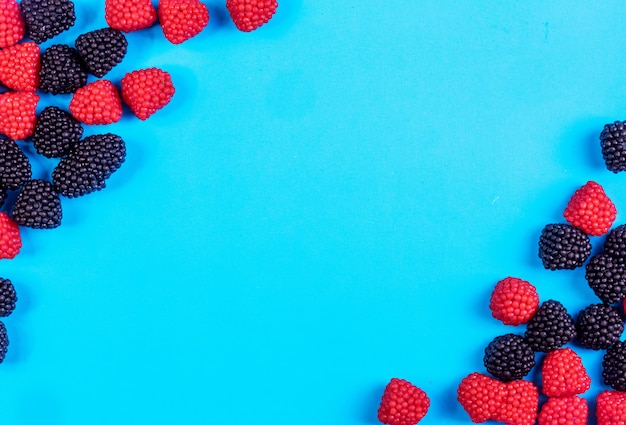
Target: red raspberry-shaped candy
(520, 404)
(403, 403)
(563, 374)
(97, 103)
(18, 114)
(611, 408)
(12, 27)
(129, 15)
(485, 398)
(248, 15)
(591, 210)
(481, 396)
(146, 91)
(182, 19)
(564, 411)
(19, 66)
(10, 240)
(514, 301)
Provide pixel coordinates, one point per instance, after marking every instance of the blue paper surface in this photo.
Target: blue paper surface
(326, 203)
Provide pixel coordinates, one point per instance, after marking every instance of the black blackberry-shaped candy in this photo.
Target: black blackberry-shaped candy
(599, 326)
(101, 49)
(612, 141)
(88, 164)
(45, 19)
(8, 297)
(3, 196)
(15, 169)
(4, 342)
(614, 366)
(509, 357)
(615, 242)
(56, 130)
(37, 206)
(606, 276)
(550, 328)
(62, 70)
(563, 246)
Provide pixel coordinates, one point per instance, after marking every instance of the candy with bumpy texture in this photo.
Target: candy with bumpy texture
(611, 408)
(182, 19)
(599, 326)
(12, 27)
(520, 404)
(563, 374)
(101, 50)
(564, 411)
(614, 366)
(563, 246)
(606, 276)
(88, 165)
(10, 239)
(590, 210)
(62, 70)
(146, 91)
(550, 328)
(615, 242)
(55, 132)
(509, 357)
(15, 169)
(485, 398)
(97, 103)
(18, 114)
(8, 297)
(613, 145)
(514, 301)
(19, 67)
(481, 396)
(248, 15)
(37, 206)
(130, 15)
(4, 342)
(48, 18)
(402, 403)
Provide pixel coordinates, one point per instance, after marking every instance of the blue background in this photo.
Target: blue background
(326, 203)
